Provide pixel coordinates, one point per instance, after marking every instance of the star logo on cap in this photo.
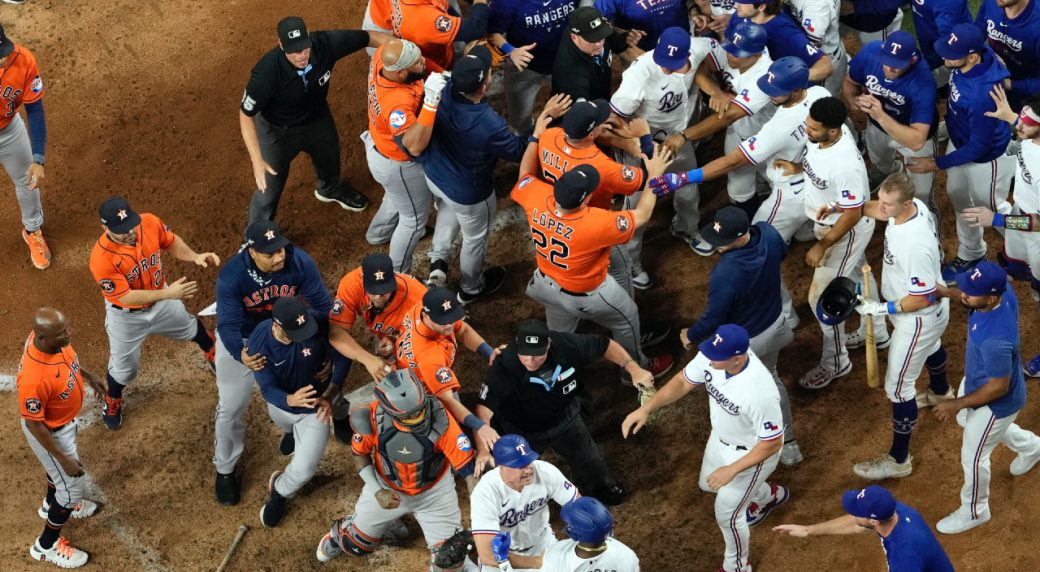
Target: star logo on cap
(717, 226)
(300, 320)
(306, 352)
(379, 274)
(269, 235)
(446, 305)
(121, 214)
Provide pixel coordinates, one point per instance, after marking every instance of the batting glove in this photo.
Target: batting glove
(500, 546)
(871, 307)
(433, 86)
(668, 183)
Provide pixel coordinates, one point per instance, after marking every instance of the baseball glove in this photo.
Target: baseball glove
(645, 395)
(454, 551)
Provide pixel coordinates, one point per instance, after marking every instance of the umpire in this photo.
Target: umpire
(583, 61)
(285, 111)
(744, 288)
(534, 388)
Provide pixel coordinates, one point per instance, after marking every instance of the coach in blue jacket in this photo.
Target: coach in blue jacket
(468, 139)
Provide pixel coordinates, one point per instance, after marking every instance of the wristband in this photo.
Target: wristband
(998, 220)
(427, 115)
(485, 350)
(646, 145)
(1016, 222)
(506, 48)
(695, 176)
(532, 139)
(473, 422)
(892, 308)
(368, 474)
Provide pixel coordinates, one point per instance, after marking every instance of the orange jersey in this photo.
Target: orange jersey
(392, 108)
(379, 12)
(50, 386)
(430, 354)
(427, 24)
(20, 83)
(452, 445)
(573, 249)
(557, 157)
(119, 268)
(351, 302)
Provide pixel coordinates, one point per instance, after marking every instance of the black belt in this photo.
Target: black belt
(564, 290)
(737, 447)
(60, 427)
(131, 310)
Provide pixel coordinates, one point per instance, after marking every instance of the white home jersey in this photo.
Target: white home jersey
(837, 174)
(782, 137)
(1027, 178)
(616, 558)
(913, 257)
(747, 96)
(819, 19)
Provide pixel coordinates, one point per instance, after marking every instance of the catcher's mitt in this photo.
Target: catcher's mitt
(453, 552)
(645, 395)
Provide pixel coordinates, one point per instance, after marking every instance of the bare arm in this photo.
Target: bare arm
(181, 251)
(654, 168)
(842, 525)
(728, 162)
(714, 122)
(487, 557)
(849, 218)
(345, 344)
(416, 138)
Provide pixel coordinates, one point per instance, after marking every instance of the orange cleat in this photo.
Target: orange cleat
(41, 255)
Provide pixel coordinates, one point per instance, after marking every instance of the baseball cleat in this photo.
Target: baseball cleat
(62, 554)
(858, 339)
(438, 274)
(700, 246)
(884, 467)
(494, 277)
(927, 398)
(960, 520)
(346, 197)
(287, 445)
(38, 250)
(641, 280)
(331, 545)
(756, 514)
(1024, 463)
(112, 412)
(819, 377)
(659, 365)
(956, 266)
(227, 489)
(1032, 367)
(652, 334)
(83, 509)
(272, 513)
(791, 454)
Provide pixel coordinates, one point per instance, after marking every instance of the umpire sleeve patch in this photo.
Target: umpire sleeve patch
(107, 286)
(622, 223)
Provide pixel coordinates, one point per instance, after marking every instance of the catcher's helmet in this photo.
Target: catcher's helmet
(785, 75)
(837, 301)
(747, 39)
(401, 394)
(587, 520)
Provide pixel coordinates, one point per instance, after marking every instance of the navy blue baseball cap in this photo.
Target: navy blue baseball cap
(117, 215)
(962, 40)
(470, 71)
(377, 274)
(513, 451)
(728, 341)
(874, 502)
(6, 45)
(291, 314)
(575, 185)
(265, 237)
(785, 75)
(673, 48)
(730, 224)
(584, 116)
(747, 39)
(442, 306)
(898, 50)
(985, 279)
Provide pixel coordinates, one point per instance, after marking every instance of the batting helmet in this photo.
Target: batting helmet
(402, 395)
(785, 75)
(837, 301)
(587, 520)
(513, 451)
(747, 39)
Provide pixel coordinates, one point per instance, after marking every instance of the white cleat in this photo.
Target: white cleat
(83, 509)
(1024, 463)
(960, 520)
(62, 554)
(884, 467)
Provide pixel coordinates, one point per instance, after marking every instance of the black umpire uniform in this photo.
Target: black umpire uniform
(292, 115)
(577, 73)
(544, 406)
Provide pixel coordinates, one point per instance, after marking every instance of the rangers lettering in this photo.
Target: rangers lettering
(557, 15)
(874, 86)
(997, 35)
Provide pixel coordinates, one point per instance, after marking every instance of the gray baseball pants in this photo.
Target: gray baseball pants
(474, 221)
(767, 345)
(978, 185)
(128, 330)
(67, 490)
(16, 155)
(234, 390)
(311, 437)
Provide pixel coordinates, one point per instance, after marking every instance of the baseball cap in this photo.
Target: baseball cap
(292, 33)
(470, 71)
(265, 237)
(532, 339)
(6, 45)
(584, 116)
(377, 274)
(513, 451)
(784, 76)
(745, 40)
(575, 185)
(872, 502)
(117, 215)
(962, 40)
(442, 306)
(730, 224)
(728, 341)
(985, 279)
(291, 314)
(898, 50)
(673, 48)
(588, 23)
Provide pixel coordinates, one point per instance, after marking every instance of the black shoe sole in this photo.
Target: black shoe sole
(345, 205)
(494, 278)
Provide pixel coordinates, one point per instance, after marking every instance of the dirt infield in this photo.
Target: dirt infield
(141, 100)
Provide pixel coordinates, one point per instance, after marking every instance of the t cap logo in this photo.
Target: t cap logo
(718, 340)
(896, 48)
(737, 38)
(521, 449)
(293, 34)
(953, 40)
(771, 77)
(672, 50)
(976, 274)
(862, 494)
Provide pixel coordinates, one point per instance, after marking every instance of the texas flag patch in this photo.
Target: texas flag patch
(744, 95)
(848, 195)
(807, 24)
(751, 143)
(917, 282)
(769, 426)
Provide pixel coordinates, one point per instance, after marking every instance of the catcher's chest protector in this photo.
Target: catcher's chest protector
(398, 449)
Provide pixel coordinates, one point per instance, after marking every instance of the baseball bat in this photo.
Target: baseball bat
(872, 372)
(231, 549)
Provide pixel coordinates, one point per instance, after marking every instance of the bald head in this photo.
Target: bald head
(402, 59)
(51, 329)
(392, 52)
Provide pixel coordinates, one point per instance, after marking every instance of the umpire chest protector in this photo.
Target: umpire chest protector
(399, 449)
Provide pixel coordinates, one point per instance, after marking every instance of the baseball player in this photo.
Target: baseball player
(1011, 26)
(870, 25)
(746, 435)
(284, 112)
(267, 268)
(50, 395)
(991, 395)
(301, 377)
(126, 262)
(784, 37)
(837, 180)
(512, 500)
(889, 83)
(431, 334)
(978, 171)
(401, 112)
(912, 268)
(592, 545)
(573, 243)
(819, 19)
(742, 108)
(434, 28)
(907, 540)
(411, 476)
(662, 87)
(23, 149)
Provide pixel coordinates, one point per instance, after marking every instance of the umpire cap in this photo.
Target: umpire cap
(837, 301)
(587, 520)
(513, 451)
